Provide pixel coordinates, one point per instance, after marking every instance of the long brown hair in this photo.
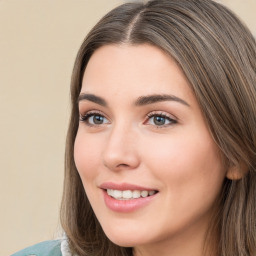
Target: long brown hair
(218, 55)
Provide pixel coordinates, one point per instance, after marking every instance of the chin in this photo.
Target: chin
(125, 240)
(120, 239)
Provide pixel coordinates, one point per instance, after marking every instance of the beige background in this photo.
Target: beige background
(38, 44)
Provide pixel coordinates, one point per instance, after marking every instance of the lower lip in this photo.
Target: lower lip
(126, 206)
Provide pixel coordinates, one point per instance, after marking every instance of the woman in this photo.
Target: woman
(160, 155)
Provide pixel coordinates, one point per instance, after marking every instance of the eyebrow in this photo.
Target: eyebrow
(150, 99)
(92, 98)
(141, 101)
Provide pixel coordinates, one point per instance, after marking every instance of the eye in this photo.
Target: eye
(160, 119)
(94, 118)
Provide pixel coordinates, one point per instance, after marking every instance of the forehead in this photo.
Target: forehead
(133, 69)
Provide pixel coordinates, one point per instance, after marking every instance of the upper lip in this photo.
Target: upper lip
(124, 186)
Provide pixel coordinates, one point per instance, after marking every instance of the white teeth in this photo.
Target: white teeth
(110, 192)
(151, 193)
(136, 194)
(144, 193)
(117, 194)
(129, 194)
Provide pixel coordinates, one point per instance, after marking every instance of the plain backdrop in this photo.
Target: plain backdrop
(39, 40)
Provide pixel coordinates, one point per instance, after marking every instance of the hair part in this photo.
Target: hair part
(217, 53)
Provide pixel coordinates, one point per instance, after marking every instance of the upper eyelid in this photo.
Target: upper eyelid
(88, 114)
(148, 115)
(162, 113)
(93, 111)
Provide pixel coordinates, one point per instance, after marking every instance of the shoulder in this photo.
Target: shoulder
(47, 248)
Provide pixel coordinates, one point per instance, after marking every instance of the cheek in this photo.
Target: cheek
(186, 160)
(86, 156)
(191, 175)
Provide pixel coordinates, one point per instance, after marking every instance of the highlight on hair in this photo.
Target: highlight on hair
(217, 53)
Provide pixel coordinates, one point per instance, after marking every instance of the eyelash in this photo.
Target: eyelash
(172, 121)
(85, 118)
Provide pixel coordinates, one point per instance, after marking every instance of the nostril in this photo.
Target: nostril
(123, 165)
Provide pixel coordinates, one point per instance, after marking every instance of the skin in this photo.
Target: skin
(178, 158)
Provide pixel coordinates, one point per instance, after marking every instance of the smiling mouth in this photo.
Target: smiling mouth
(130, 194)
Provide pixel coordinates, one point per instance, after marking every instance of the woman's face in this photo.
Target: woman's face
(148, 163)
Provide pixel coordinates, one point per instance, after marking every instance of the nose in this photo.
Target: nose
(121, 152)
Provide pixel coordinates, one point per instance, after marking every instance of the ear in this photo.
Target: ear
(237, 172)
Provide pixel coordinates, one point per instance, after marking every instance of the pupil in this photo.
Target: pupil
(98, 119)
(159, 120)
